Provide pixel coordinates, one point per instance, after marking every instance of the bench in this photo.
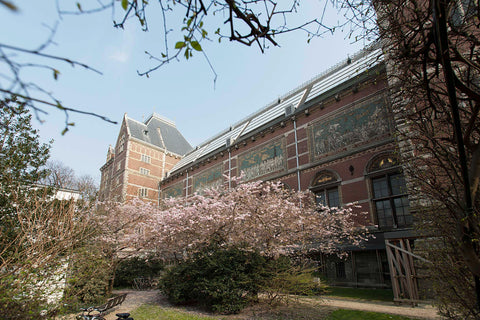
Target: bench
(111, 303)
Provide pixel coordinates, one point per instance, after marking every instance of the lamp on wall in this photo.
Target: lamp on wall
(351, 169)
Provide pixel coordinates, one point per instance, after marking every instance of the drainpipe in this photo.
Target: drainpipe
(229, 169)
(186, 189)
(296, 151)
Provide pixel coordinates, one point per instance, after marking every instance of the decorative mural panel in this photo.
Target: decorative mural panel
(355, 126)
(174, 191)
(268, 159)
(210, 178)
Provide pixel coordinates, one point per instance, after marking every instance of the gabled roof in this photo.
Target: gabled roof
(159, 132)
(306, 93)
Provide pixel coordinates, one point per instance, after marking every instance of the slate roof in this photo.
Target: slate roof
(159, 132)
(301, 96)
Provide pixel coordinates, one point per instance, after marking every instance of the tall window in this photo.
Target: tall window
(121, 143)
(146, 158)
(325, 188)
(389, 193)
(144, 171)
(328, 197)
(143, 192)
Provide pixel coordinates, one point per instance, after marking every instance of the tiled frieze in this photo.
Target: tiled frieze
(262, 161)
(349, 128)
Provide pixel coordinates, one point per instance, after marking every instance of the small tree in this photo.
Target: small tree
(37, 233)
(22, 156)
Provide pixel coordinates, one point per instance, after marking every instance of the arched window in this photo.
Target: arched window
(325, 187)
(389, 192)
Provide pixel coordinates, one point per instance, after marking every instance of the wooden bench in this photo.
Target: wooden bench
(111, 303)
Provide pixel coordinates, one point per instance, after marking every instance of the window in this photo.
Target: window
(389, 194)
(144, 171)
(325, 188)
(340, 270)
(121, 143)
(143, 192)
(146, 158)
(328, 197)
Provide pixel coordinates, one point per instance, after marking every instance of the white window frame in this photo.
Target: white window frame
(143, 192)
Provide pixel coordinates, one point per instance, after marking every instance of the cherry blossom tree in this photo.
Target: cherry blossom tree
(258, 215)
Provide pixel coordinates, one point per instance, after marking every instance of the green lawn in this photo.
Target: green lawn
(358, 315)
(359, 293)
(153, 312)
(299, 312)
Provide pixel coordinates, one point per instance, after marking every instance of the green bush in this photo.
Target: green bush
(16, 303)
(227, 279)
(88, 278)
(136, 267)
(284, 276)
(222, 280)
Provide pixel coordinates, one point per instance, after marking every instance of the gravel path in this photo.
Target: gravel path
(421, 311)
(136, 298)
(133, 300)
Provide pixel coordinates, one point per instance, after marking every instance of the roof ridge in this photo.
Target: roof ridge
(161, 118)
(126, 116)
(160, 135)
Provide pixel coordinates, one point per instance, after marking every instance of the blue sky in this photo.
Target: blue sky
(182, 91)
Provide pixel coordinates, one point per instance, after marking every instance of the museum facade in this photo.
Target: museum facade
(333, 136)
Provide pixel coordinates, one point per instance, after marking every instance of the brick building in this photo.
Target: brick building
(333, 136)
(143, 154)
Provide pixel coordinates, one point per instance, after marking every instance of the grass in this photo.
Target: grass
(359, 293)
(291, 312)
(357, 315)
(149, 312)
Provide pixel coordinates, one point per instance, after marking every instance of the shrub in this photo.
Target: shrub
(228, 279)
(285, 276)
(222, 280)
(88, 278)
(17, 303)
(136, 267)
